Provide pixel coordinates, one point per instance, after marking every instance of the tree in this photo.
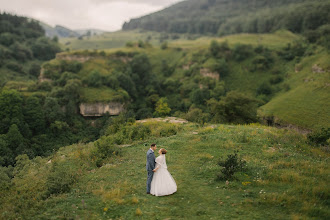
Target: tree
(53, 111)
(15, 140)
(10, 109)
(140, 72)
(235, 108)
(162, 109)
(34, 115)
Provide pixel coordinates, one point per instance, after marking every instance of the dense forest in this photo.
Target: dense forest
(31, 121)
(225, 17)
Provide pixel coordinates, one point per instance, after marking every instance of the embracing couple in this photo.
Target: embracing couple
(159, 182)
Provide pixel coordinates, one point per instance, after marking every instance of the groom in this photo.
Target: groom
(150, 165)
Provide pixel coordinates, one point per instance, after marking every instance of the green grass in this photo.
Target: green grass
(286, 179)
(116, 39)
(276, 40)
(307, 103)
(102, 94)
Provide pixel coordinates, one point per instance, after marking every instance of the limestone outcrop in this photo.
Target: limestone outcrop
(99, 109)
(71, 57)
(208, 73)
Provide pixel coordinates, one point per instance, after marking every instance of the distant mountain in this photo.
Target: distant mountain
(61, 31)
(236, 16)
(58, 31)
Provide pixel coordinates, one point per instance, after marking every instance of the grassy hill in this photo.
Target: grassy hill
(307, 103)
(285, 178)
(119, 39)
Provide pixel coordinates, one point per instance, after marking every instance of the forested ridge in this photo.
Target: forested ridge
(23, 47)
(225, 17)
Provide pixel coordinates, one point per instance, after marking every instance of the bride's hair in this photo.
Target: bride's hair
(163, 151)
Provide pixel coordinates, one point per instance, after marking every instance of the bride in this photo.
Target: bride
(162, 183)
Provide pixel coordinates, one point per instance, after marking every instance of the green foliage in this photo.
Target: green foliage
(10, 109)
(264, 89)
(105, 147)
(61, 179)
(242, 52)
(5, 178)
(235, 108)
(320, 137)
(45, 49)
(197, 115)
(164, 45)
(212, 17)
(94, 79)
(230, 166)
(34, 115)
(162, 109)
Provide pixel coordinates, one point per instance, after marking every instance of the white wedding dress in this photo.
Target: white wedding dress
(162, 183)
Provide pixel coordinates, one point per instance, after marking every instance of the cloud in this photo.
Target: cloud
(80, 14)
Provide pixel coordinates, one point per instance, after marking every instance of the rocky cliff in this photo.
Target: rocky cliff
(99, 109)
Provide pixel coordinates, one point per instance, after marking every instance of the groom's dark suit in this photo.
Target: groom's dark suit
(150, 166)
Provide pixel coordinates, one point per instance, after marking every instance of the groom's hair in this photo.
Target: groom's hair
(152, 145)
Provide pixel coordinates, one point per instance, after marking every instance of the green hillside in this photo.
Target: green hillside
(284, 178)
(23, 48)
(259, 65)
(307, 103)
(239, 16)
(119, 39)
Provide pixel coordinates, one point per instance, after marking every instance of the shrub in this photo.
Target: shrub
(105, 148)
(265, 89)
(276, 79)
(319, 137)
(230, 166)
(60, 179)
(197, 115)
(14, 67)
(162, 108)
(34, 69)
(242, 51)
(164, 45)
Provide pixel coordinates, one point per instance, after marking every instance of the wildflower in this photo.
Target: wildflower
(105, 209)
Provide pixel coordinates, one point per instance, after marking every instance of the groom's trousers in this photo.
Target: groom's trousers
(149, 179)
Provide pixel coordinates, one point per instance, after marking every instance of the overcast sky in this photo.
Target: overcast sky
(107, 15)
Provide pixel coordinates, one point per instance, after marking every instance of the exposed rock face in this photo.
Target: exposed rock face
(208, 73)
(70, 57)
(99, 109)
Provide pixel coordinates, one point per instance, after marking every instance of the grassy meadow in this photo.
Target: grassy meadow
(306, 104)
(285, 178)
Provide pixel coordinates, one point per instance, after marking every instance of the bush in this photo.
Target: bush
(242, 51)
(265, 89)
(230, 166)
(60, 179)
(164, 45)
(15, 67)
(197, 115)
(34, 69)
(105, 148)
(319, 137)
(276, 79)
